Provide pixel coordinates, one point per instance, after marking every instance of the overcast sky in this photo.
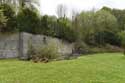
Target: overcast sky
(49, 6)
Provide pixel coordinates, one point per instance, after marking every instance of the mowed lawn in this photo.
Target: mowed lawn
(97, 68)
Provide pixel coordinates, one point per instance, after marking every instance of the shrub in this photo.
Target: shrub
(43, 53)
(81, 48)
(122, 38)
(31, 51)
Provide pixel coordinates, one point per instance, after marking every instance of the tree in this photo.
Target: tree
(3, 21)
(21, 3)
(65, 30)
(85, 26)
(107, 9)
(44, 28)
(61, 10)
(74, 14)
(120, 15)
(75, 26)
(28, 3)
(28, 21)
(10, 15)
(105, 22)
(122, 37)
(52, 25)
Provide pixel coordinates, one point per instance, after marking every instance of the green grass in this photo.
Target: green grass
(97, 68)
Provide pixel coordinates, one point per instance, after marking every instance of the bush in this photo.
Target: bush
(44, 53)
(81, 48)
(122, 38)
(105, 49)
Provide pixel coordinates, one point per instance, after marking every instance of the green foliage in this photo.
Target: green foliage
(86, 25)
(105, 21)
(94, 28)
(3, 21)
(107, 9)
(107, 37)
(28, 21)
(31, 51)
(81, 48)
(65, 31)
(120, 15)
(21, 3)
(122, 37)
(10, 16)
(44, 53)
(46, 26)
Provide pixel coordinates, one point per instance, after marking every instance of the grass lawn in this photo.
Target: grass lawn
(97, 68)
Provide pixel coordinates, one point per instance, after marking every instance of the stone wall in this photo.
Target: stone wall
(9, 46)
(17, 45)
(41, 40)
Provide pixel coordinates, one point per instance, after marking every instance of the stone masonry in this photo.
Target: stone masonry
(16, 45)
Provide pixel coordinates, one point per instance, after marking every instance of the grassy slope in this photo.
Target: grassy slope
(99, 68)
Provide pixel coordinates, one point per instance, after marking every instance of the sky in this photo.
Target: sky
(49, 7)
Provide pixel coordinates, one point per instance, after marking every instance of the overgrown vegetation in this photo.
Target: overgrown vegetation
(93, 28)
(3, 21)
(122, 37)
(44, 53)
(10, 24)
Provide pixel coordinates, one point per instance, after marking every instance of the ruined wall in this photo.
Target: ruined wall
(41, 40)
(17, 45)
(9, 46)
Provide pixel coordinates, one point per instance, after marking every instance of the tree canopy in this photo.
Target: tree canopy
(94, 28)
